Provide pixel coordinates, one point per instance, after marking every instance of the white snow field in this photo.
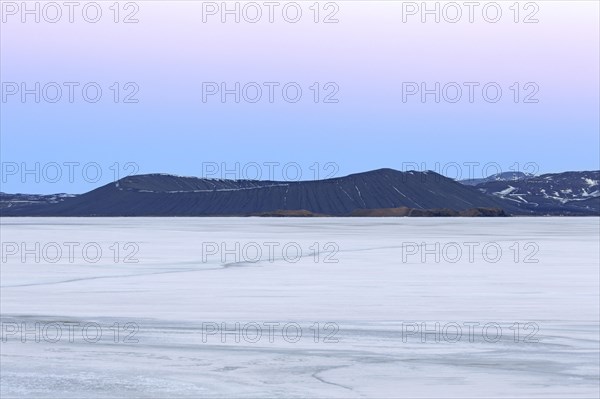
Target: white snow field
(519, 318)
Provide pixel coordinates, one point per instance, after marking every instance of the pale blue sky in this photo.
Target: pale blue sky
(368, 55)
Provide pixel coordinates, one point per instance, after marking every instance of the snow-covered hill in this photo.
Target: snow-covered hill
(565, 193)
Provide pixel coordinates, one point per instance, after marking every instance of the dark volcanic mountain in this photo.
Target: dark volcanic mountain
(568, 193)
(167, 195)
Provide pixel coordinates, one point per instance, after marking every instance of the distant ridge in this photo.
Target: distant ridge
(382, 192)
(566, 193)
(504, 176)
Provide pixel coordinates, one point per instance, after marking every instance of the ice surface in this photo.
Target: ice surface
(372, 294)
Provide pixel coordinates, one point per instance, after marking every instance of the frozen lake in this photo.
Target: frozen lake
(315, 307)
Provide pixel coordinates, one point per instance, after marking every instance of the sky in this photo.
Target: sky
(345, 87)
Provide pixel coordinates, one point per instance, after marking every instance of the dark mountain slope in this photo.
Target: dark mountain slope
(166, 195)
